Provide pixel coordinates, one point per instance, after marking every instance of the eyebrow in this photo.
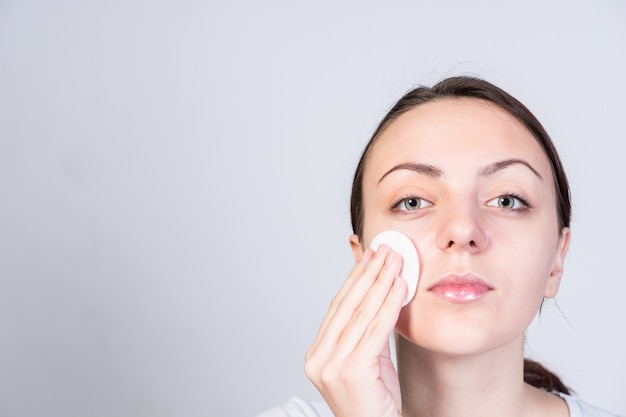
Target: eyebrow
(434, 172)
(500, 165)
(424, 169)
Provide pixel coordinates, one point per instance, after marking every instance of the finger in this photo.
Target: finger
(376, 337)
(360, 320)
(343, 310)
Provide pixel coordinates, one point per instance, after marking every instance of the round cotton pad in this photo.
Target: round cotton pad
(401, 244)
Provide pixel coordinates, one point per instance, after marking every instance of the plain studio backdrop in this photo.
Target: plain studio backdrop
(175, 177)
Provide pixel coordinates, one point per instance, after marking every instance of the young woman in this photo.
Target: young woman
(472, 178)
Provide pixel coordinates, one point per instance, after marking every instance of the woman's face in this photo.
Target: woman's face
(474, 191)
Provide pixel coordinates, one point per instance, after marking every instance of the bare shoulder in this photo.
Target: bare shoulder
(546, 404)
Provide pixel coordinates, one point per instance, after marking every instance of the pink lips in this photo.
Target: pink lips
(460, 289)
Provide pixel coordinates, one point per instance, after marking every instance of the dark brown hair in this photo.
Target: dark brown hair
(470, 87)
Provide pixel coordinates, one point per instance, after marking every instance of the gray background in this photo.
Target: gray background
(174, 182)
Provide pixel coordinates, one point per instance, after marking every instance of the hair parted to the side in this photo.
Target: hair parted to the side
(471, 87)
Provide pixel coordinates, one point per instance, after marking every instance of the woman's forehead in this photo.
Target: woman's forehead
(455, 134)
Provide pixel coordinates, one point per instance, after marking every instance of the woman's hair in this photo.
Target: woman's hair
(470, 87)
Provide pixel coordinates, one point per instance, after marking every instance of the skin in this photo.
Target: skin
(454, 359)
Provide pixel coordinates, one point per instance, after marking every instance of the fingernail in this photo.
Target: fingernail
(380, 251)
(391, 258)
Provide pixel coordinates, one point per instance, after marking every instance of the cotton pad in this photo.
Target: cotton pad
(401, 244)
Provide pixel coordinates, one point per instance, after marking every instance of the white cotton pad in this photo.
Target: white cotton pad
(401, 244)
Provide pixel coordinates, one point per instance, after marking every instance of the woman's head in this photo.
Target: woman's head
(472, 178)
(465, 87)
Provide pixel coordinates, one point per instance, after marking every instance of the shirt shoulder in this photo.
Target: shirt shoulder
(579, 408)
(297, 407)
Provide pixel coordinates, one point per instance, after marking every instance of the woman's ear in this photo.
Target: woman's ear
(554, 280)
(355, 245)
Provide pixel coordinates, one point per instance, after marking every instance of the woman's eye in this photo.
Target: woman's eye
(509, 202)
(412, 204)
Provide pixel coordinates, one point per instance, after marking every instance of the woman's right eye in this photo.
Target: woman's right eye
(411, 204)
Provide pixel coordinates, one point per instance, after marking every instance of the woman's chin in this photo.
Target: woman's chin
(457, 340)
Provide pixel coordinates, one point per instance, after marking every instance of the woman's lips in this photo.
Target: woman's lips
(460, 288)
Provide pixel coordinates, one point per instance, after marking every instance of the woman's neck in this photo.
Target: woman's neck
(490, 384)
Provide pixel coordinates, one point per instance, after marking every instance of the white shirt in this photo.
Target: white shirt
(579, 408)
(297, 407)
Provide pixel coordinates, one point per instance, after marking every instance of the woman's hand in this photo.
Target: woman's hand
(349, 361)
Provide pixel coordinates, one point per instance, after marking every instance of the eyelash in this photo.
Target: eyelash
(515, 196)
(395, 207)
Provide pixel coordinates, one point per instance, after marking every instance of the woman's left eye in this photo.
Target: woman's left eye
(509, 202)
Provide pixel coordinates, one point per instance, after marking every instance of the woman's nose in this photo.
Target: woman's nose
(461, 230)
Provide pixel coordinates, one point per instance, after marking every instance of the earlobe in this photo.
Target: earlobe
(554, 280)
(355, 245)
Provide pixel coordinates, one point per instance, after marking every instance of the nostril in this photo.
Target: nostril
(471, 244)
